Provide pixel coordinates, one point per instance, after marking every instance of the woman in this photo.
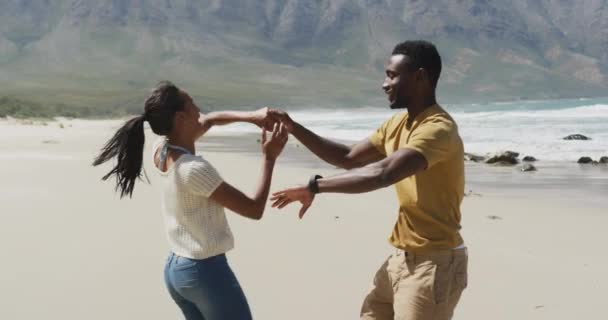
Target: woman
(194, 196)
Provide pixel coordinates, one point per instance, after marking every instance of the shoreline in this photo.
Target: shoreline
(557, 159)
(587, 179)
(561, 177)
(458, 102)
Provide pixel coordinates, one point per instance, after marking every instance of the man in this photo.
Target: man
(421, 153)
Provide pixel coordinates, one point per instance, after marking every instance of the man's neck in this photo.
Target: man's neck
(419, 105)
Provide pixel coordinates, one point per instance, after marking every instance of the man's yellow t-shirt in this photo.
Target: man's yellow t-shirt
(429, 201)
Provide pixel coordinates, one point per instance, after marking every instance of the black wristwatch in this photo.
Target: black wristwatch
(313, 184)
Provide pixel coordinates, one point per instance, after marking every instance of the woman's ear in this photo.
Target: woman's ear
(180, 115)
(178, 118)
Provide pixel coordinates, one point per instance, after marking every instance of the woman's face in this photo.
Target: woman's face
(188, 118)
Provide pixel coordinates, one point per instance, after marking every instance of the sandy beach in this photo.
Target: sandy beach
(72, 250)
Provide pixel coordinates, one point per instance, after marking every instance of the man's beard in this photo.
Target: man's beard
(399, 104)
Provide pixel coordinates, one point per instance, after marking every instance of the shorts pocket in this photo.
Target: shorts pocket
(461, 274)
(441, 282)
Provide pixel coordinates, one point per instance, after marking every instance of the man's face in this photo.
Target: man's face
(399, 83)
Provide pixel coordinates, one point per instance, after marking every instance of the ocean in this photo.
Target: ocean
(534, 128)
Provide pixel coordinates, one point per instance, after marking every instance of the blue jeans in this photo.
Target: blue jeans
(206, 289)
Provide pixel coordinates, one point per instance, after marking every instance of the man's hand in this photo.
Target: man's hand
(283, 117)
(262, 119)
(284, 197)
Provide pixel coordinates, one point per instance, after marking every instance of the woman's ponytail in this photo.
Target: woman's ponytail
(127, 145)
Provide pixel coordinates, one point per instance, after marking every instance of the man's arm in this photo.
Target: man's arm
(332, 152)
(396, 167)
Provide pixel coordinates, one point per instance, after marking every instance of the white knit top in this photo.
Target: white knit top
(196, 225)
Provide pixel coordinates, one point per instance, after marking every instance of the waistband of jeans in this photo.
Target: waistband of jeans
(173, 256)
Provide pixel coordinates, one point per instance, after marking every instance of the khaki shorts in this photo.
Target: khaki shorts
(410, 286)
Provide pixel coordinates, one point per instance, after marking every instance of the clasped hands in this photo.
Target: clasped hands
(271, 120)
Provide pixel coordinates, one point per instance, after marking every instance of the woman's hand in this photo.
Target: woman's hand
(262, 119)
(272, 148)
(281, 116)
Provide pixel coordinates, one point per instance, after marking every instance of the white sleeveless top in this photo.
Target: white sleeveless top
(196, 225)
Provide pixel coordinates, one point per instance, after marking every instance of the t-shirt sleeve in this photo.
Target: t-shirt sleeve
(378, 138)
(202, 178)
(434, 139)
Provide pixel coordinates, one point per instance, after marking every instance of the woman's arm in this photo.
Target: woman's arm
(233, 199)
(219, 118)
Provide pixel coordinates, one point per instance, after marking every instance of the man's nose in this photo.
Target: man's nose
(385, 86)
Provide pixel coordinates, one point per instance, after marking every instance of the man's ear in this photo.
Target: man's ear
(422, 75)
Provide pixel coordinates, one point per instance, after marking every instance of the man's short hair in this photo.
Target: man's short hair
(422, 54)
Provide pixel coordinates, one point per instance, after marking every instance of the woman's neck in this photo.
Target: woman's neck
(180, 141)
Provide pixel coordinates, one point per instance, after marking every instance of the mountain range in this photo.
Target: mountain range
(106, 54)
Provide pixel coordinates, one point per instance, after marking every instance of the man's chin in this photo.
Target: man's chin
(397, 105)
